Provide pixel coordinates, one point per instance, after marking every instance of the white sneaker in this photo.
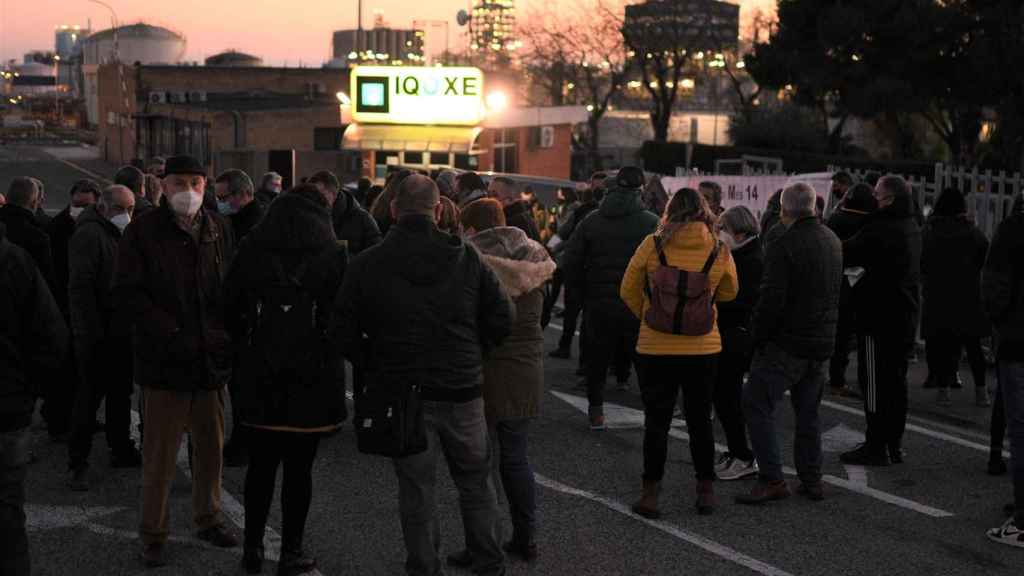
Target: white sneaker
(723, 462)
(737, 470)
(1008, 534)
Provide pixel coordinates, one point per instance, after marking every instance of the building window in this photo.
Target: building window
(467, 162)
(440, 159)
(505, 151)
(327, 138)
(414, 158)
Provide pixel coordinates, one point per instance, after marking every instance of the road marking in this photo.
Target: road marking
(230, 507)
(919, 429)
(80, 169)
(841, 438)
(46, 517)
(697, 540)
(857, 474)
(581, 404)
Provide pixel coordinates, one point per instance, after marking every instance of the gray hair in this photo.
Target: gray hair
(268, 177)
(740, 220)
(238, 182)
(107, 195)
(799, 200)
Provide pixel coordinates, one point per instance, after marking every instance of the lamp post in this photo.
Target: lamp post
(56, 89)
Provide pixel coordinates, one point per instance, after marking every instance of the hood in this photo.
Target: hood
(446, 183)
(521, 264)
(620, 203)
(429, 256)
(295, 224)
(91, 217)
(691, 236)
(950, 227)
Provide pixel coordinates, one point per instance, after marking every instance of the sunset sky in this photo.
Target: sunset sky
(279, 31)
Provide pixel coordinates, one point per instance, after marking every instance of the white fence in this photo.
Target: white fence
(990, 195)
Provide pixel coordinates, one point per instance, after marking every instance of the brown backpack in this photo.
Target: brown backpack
(681, 301)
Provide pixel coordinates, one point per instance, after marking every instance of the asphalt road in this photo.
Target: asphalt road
(926, 517)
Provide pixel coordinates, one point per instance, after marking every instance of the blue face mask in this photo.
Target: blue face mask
(225, 208)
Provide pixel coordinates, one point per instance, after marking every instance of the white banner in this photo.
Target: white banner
(750, 191)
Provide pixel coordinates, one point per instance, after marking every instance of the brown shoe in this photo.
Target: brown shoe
(153, 555)
(647, 505)
(219, 536)
(706, 498)
(813, 491)
(763, 492)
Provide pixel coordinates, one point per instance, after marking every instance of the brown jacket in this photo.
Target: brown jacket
(170, 289)
(514, 371)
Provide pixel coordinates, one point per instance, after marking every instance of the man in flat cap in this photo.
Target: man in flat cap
(170, 269)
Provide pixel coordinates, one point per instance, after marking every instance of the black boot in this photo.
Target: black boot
(294, 562)
(252, 560)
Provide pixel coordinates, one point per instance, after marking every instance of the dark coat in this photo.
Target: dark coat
(265, 197)
(25, 230)
(170, 286)
(353, 224)
(93, 260)
(514, 372)
(602, 246)
(142, 207)
(243, 221)
(519, 215)
(1002, 286)
(887, 299)
(578, 214)
(846, 223)
(799, 306)
(952, 257)
(771, 217)
(33, 337)
(62, 227)
(428, 307)
(737, 313)
(297, 232)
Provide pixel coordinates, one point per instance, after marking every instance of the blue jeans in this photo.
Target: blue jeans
(1011, 381)
(459, 431)
(14, 455)
(517, 477)
(772, 372)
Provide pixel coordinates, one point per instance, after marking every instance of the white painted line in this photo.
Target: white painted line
(857, 474)
(88, 173)
(230, 507)
(622, 412)
(697, 540)
(560, 328)
(920, 430)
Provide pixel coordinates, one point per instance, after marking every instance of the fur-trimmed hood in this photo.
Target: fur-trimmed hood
(521, 264)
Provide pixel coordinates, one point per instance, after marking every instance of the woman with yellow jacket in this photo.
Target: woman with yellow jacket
(670, 360)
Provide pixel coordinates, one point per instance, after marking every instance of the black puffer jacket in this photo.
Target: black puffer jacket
(25, 230)
(749, 260)
(603, 244)
(353, 224)
(170, 287)
(428, 307)
(61, 229)
(846, 223)
(1002, 285)
(799, 306)
(93, 259)
(297, 233)
(33, 337)
(771, 217)
(888, 298)
(952, 256)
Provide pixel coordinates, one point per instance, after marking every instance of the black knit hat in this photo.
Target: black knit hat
(630, 177)
(183, 165)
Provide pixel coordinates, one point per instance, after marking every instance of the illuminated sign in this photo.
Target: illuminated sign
(417, 95)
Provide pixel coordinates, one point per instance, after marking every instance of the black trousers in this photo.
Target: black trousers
(846, 332)
(734, 362)
(943, 352)
(611, 333)
(882, 370)
(268, 449)
(573, 309)
(105, 373)
(661, 379)
(60, 395)
(997, 431)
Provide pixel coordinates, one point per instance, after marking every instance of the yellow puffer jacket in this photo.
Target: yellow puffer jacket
(688, 249)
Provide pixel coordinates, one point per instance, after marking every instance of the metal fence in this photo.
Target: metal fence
(989, 194)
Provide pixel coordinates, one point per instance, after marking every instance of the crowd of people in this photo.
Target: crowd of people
(192, 289)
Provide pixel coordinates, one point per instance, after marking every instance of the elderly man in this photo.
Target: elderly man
(887, 301)
(135, 180)
(24, 229)
(171, 265)
(794, 331)
(428, 307)
(517, 212)
(271, 185)
(100, 343)
(236, 200)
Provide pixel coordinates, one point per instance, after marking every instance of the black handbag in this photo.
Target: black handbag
(389, 411)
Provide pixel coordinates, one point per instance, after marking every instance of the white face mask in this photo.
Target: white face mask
(187, 202)
(121, 221)
(727, 239)
(76, 211)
